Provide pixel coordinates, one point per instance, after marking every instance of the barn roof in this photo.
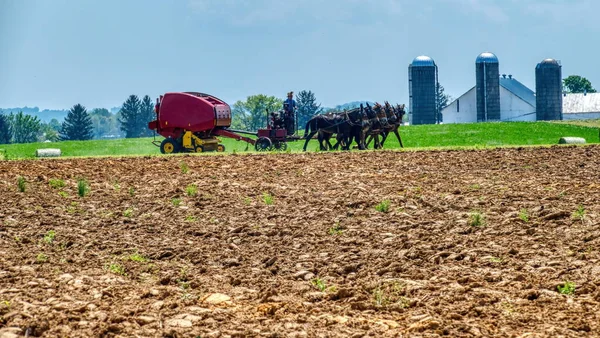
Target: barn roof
(519, 89)
(581, 103)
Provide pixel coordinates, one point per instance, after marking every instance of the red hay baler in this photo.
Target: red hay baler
(190, 122)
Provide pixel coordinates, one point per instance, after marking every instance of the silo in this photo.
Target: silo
(422, 80)
(548, 90)
(487, 73)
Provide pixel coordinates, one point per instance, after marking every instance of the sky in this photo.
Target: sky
(57, 53)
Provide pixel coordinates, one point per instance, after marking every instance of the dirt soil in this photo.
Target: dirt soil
(492, 243)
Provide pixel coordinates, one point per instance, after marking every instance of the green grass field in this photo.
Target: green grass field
(473, 135)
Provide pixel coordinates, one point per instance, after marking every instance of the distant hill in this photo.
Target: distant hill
(44, 115)
(349, 105)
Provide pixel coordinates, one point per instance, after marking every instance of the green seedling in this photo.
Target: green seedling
(191, 190)
(128, 212)
(41, 258)
(476, 219)
(56, 183)
(49, 236)
(136, 257)
(176, 201)
(131, 191)
(336, 230)
(319, 284)
(190, 218)
(579, 213)
(63, 194)
(384, 206)
(82, 188)
(267, 198)
(524, 215)
(184, 168)
(116, 269)
(567, 288)
(21, 184)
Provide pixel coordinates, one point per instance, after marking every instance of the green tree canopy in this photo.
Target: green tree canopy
(130, 117)
(25, 128)
(5, 130)
(307, 107)
(252, 113)
(49, 133)
(103, 121)
(146, 115)
(578, 84)
(442, 101)
(77, 125)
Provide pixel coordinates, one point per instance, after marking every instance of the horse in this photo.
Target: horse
(355, 118)
(340, 124)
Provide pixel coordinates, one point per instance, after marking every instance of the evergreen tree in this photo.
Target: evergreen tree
(130, 117)
(442, 101)
(77, 125)
(307, 107)
(5, 130)
(146, 115)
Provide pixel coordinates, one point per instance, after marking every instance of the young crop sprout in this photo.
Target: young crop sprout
(82, 187)
(21, 183)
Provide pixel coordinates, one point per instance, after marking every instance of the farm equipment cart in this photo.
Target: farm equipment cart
(191, 122)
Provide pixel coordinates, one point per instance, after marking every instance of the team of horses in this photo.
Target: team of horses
(362, 125)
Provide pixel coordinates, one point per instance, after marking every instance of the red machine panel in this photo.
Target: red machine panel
(192, 111)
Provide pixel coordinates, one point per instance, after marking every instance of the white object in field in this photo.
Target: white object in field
(571, 140)
(47, 152)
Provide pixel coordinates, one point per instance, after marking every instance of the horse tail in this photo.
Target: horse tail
(307, 127)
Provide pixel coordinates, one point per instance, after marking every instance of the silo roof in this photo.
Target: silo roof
(548, 63)
(423, 61)
(487, 57)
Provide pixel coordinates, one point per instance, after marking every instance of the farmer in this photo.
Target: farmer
(289, 108)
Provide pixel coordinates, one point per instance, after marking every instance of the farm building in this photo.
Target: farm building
(581, 106)
(517, 103)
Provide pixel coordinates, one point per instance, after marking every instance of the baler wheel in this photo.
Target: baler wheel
(169, 146)
(199, 149)
(263, 144)
(220, 148)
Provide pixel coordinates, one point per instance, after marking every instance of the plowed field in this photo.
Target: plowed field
(460, 243)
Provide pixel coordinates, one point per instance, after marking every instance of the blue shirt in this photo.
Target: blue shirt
(291, 104)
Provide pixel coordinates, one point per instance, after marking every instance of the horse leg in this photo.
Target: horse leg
(308, 137)
(398, 136)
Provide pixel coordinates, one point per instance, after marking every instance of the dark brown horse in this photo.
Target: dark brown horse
(341, 124)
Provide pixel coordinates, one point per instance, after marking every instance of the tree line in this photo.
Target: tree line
(79, 124)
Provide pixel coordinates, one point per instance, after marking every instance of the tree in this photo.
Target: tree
(25, 128)
(307, 107)
(146, 115)
(103, 122)
(441, 101)
(252, 113)
(54, 124)
(77, 125)
(49, 133)
(578, 84)
(5, 130)
(130, 117)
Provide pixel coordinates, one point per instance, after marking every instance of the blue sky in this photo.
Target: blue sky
(56, 53)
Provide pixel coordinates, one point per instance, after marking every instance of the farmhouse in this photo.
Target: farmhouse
(517, 103)
(581, 106)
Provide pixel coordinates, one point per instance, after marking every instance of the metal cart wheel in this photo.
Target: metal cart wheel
(263, 144)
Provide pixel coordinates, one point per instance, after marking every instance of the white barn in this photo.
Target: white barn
(581, 106)
(517, 103)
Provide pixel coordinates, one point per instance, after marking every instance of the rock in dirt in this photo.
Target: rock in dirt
(301, 274)
(183, 323)
(144, 320)
(216, 299)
